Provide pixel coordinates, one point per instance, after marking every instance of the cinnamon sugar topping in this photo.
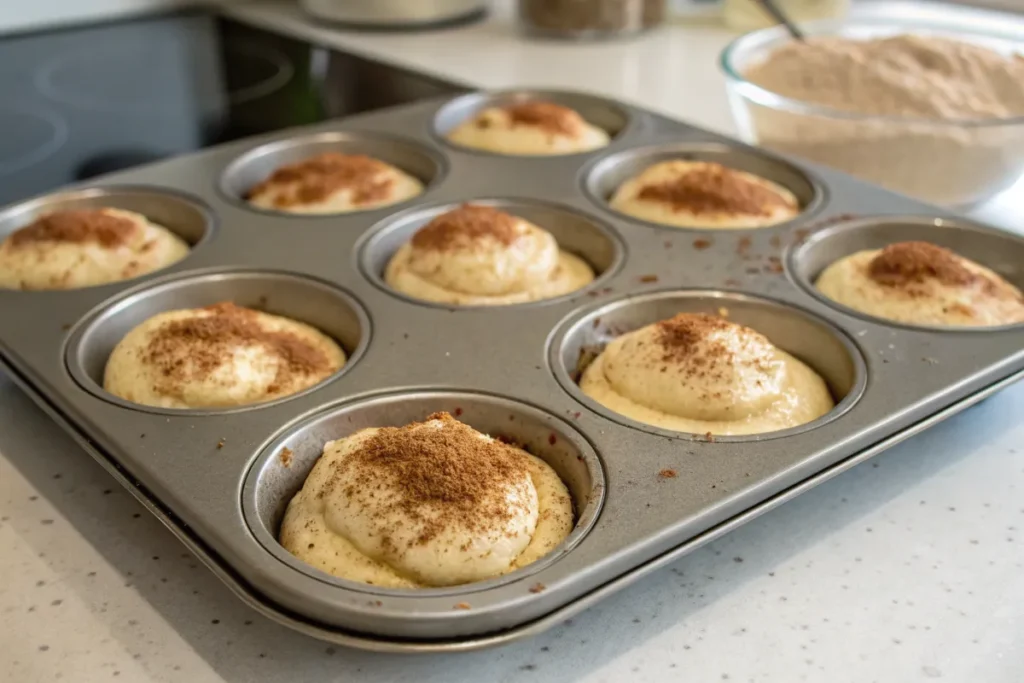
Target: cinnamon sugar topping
(549, 117)
(913, 262)
(444, 477)
(77, 225)
(193, 348)
(713, 188)
(680, 334)
(317, 178)
(465, 224)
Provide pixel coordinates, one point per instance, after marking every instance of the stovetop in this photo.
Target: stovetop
(79, 102)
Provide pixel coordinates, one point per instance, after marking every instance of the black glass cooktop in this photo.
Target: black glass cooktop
(79, 102)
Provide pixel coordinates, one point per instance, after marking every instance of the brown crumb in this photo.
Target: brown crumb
(462, 605)
(667, 474)
(220, 444)
(285, 456)
(317, 178)
(648, 278)
(713, 188)
(709, 437)
(743, 245)
(549, 117)
(701, 244)
(78, 226)
(912, 262)
(467, 223)
(537, 588)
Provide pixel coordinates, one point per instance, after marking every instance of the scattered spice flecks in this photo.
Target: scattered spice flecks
(537, 587)
(462, 605)
(285, 456)
(701, 245)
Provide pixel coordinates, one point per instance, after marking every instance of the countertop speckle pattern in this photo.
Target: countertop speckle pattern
(907, 568)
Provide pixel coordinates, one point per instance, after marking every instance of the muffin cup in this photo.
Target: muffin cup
(607, 174)
(596, 243)
(824, 348)
(273, 481)
(597, 111)
(185, 216)
(257, 164)
(333, 311)
(997, 250)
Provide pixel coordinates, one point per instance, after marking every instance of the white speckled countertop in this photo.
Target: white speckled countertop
(909, 568)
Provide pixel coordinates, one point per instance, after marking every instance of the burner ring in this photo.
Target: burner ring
(30, 136)
(282, 73)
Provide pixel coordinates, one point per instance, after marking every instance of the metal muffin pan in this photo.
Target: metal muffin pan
(214, 480)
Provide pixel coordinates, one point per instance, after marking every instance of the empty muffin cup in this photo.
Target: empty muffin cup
(598, 112)
(608, 174)
(597, 244)
(256, 165)
(328, 309)
(282, 467)
(997, 250)
(818, 345)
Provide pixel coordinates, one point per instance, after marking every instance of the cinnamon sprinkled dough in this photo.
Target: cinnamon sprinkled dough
(434, 503)
(529, 128)
(83, 225)
(914, 262)
(549, 117)
(923, 284)
(85, 247)
(703, 374)
(219, 356)
(478, 255)
(334, 183)
(468, 223)
(704, 194)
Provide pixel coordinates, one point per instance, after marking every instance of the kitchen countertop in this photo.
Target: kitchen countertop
(910, 568)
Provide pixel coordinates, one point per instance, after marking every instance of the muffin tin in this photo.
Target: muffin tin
(220, 479)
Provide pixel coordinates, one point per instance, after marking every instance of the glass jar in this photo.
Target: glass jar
(587, 19)
(748, 15)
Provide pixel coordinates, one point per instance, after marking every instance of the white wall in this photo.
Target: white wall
(24, 15)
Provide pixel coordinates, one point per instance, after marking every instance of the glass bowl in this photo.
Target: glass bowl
(941, 161)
